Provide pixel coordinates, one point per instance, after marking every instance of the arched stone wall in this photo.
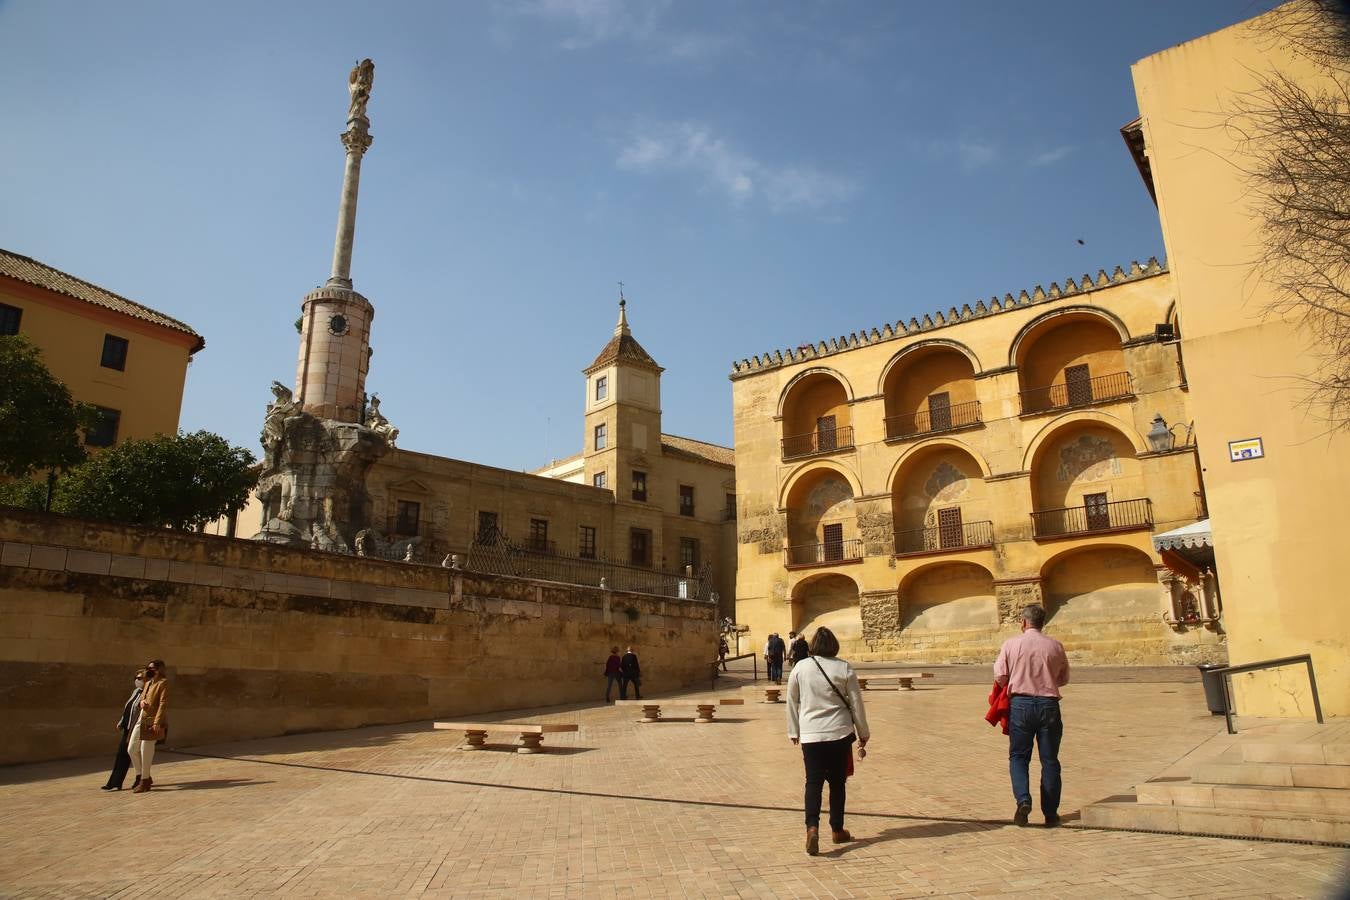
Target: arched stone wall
(948, 597)
(831, 601)
(1101, 584)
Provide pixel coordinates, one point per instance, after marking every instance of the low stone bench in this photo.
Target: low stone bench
(771, 694)
(651, 709)
(904, 679)
(531, 736)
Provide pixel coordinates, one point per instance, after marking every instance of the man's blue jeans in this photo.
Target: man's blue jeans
(1035, 718)
(775, 668)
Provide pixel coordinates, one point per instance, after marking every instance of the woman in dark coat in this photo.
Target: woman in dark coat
(131, 711)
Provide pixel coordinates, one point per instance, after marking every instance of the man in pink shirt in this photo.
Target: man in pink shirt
(1033, 667)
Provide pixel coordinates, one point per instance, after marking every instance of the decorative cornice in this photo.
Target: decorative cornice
(1007, 476)
(935, 321)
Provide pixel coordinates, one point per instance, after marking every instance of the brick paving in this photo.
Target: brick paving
(626, 810)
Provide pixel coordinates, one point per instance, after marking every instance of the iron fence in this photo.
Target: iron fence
(1078, 392)
(1093, 517)
(825, 441)
(948, 537)
(934, 419)
(824, 554)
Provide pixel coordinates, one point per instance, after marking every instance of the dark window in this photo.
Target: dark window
(834, 542)
(940, 411)
(487, 527)
(640, 547)
(688, 553)
(406, 518)
(1078, 385)
(602, 387)
(639, 485)
(686, 500)
(598, 479)
(826, 433)
(949, 527)
(1097, 511)
(586, 542)
(104, 432)
(114, 352)
(601, 436)
(539, 535)
(9, 319)
(730, 511)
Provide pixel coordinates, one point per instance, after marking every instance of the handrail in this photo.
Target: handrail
(754, 662)
(1229, 671)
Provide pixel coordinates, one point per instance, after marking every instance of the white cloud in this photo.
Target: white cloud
(975, 154)
(594, 22)
(693, 148)
(1052, 156)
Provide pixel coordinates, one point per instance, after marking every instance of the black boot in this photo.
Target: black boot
(136, 782)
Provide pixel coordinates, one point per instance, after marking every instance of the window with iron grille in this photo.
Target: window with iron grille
(686, 500)
(601, 436)
(539, 534)
(586, 542)
(639, 485)
(688, 553)
(487, 527)
(598, 479)
(104, 432)
(9, 319)
(114, 353)
(639, 546)
(407, 514)
(602, 387)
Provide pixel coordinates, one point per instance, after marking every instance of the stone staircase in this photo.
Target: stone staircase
(1286, 781)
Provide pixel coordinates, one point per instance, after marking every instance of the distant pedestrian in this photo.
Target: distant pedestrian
(798, 650)
(612, 673)
(774, 649)
(791, 639)
(722, 651)
(630, 673)
(131, 712)
(151, 726)
(1033, 667)
(825, 715)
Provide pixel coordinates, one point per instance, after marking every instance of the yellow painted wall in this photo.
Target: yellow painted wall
(1279, 542)
(148, 393)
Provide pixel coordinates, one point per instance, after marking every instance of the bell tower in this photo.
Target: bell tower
(623, 412)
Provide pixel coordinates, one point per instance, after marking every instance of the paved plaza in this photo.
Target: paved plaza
(626, 810)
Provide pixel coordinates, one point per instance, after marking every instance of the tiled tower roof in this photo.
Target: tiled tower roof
(623, 347)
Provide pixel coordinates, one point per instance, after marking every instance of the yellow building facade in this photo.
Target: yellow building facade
(914, 486)
(124, 358)
(1276, 515)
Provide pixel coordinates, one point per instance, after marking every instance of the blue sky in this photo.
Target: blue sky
(759, 174)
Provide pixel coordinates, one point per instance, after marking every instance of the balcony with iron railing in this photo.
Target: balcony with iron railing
(830, 553)
(1077, 392)
(934, 420)
(944, 538)
(1121, 515)
(818, 442)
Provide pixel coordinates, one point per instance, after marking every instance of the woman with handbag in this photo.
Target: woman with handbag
(825, 715)
(151, 727)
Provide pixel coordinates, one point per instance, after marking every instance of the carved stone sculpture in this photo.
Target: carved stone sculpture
(274, 419)
(377, 423)
(359, 84)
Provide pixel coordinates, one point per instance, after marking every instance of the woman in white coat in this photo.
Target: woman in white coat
(825, 715)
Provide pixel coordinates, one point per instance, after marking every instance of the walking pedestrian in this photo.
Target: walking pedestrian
(799, 650)
(1033, 667)
(791, 639)
(630, 673)
(774, 649)
(825, 715)
(151, 726)
(722, 651)
(612, 673)
(130, 713)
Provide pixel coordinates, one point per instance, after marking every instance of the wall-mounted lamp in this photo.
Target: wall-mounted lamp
(1160, 436)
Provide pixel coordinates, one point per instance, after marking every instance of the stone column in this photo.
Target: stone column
(357, 139)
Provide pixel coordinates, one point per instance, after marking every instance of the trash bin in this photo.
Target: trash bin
(1212, 676)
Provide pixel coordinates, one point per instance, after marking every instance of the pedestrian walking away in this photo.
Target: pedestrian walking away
(151, 726)
(825, 716)
(131, 712)
(774, 648)
(630, 673)
(612, 675)
(798, 650)
(722, 651)
(1033, 667)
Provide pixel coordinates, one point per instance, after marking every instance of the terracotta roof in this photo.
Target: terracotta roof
(699, 451)
(30, 271)
(623, 347)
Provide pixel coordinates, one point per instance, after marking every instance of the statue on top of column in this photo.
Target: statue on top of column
(359, 85)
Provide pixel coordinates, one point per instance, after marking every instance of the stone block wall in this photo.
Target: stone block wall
(262, 640)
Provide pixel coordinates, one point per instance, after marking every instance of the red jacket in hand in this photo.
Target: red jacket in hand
(999, 700)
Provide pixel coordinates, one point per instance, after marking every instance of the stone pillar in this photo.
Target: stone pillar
(357, 139)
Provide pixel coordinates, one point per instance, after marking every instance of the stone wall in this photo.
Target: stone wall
(264, 640)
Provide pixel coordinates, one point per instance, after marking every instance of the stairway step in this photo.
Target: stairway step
(1304, 753)
(1274, 774)
(1229, 822)
(1308, 800)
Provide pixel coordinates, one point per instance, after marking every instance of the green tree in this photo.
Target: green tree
(178, 481)
(39, 421)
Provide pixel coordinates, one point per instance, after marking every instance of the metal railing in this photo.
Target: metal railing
(938, 538)
(929, 421)
(828, 441)
(540, 545)
(1078, 392)
(1229, 671)
(403, 526)
(1201, 505)
(824, 554)
(1093, 517)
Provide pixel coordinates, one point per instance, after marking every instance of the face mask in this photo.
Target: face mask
(140, 682)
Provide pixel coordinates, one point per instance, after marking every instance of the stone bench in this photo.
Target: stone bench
(651, 709)
(770, 694)
(904, 679)
(531, 736)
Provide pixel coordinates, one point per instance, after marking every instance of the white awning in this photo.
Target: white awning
(1187, 537)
